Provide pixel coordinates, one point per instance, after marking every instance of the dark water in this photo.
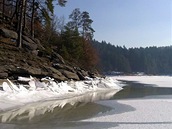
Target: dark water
(69, 117)
(139, 90)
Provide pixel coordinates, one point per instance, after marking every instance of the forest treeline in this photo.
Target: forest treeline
(73, 40)
(36, 19)
(150, 60)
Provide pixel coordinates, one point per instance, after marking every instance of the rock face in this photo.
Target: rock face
(28, 61)
(3, 75)
(28, 45)
(8, 33)
(69, 75)
(14, 63)
(62, 66)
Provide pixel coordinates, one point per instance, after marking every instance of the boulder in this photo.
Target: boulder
(81, 73)
(62, 66)
(19, 70)
(44, 73)
(37, 41)
(3, 75)
(28, 45)
(27, 39)
(54, 71)
(58, 58)
(92, 75)
(34, 71)
(8, 33)
(23, 71)
(69, 75)
(59, 77)
(81, 76)
(35, 52)
(95, 74)
(84, 73)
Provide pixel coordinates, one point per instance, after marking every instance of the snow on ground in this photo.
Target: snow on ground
(145, 113)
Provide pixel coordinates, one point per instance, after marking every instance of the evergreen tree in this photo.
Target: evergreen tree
(150, 60)
(87, 30)
(23, 11)
(75, 17)
(82, 22)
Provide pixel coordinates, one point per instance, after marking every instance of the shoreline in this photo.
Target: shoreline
(53, 91)
(40, 107)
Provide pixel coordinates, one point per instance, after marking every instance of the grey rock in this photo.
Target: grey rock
(69, 75)
(37, 41)
(35, 52)
(40, 47)
(30, 46)
(26, 71)
(44, 73)
(8, 33)
(19, 70)
(84, 73)
(29, 43)
(27, 39)
(59, 77)
(54, 71)
(62, 66)
(3, 75)
(92, 75)
(58, 58)
(34, 71)
(81, 76)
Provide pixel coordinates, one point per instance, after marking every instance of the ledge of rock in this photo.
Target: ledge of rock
(8, 33)
(28, 61)
(69, 74)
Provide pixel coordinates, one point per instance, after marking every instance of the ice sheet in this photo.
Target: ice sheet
(135, 114)
(145, 113)
(160, 81)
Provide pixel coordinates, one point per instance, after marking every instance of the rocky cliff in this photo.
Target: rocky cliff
(33, 59)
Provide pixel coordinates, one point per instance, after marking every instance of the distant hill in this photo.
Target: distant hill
(150, 60)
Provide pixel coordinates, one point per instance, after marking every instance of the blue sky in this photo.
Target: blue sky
(133, 23)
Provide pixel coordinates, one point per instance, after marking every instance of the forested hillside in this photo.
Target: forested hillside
(150, 60)
(34, 41)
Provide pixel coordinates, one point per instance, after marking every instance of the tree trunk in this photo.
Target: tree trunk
(3, 9)
(32, 18)
(24, 17)
(16, 13)
(19, 44)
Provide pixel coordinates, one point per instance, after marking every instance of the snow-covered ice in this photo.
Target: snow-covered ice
(160, 81)
(134, 114)
(144, 113)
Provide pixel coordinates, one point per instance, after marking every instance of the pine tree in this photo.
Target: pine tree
(86, 26)
(82, 23)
